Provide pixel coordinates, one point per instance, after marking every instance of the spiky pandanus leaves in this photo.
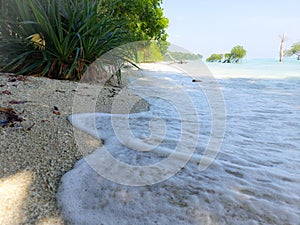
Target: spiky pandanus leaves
(55, 38)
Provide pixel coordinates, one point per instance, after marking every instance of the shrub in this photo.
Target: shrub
(148, 52)
(295, 50)
(237, 53)
(215, 58)
(57, 39)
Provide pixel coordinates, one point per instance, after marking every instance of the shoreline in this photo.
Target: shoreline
(232, 190)
(98, 190)
(33, 161)
(36, 152)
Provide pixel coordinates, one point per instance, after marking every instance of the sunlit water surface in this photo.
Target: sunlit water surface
(256, 175)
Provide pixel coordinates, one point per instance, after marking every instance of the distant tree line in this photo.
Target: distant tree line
(237, 53)
(181, 56)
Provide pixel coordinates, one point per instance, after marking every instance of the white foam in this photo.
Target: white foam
(88, 198)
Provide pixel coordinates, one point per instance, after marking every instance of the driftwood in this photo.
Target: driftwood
(8, 117)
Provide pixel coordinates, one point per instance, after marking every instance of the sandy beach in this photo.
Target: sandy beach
(36, 152)
(252, 177)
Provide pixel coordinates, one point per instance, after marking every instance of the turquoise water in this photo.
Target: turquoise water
(258, 68)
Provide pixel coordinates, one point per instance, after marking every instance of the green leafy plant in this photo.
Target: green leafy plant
(295, 50)
(215, 58)
(58, 39)
(236, 54)
(148, 52)
(143, 18)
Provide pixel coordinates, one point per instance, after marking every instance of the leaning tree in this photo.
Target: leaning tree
(295, 50)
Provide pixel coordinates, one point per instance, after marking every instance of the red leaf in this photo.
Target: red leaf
(7, 110)
(6, 92)
(17, 102)
(10, 116)
(12, 80)
(22, 78)
(56, 113)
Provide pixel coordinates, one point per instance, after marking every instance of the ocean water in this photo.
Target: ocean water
(233, 140)
(257, 68)
(261, 148)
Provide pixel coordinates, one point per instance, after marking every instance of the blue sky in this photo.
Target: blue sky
(215, 26)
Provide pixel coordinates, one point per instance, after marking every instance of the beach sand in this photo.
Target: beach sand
(36, 152)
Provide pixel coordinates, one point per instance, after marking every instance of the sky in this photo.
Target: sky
(215, 26)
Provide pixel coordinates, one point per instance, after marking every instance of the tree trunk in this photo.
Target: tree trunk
(281, 52)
